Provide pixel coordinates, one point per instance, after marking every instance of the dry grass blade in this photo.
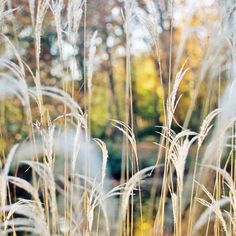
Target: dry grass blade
(23, 184)
(45, 173)
(102, 145)
(42, 64)
(2, 8)
(29, 210)
(32, 11)
(175, 207)
(4, 175)
(204, 217)
(95, 197)
(9, 90)
(225, 175)
(90, 65)
(229, 182)
(130, 186)
(171, 101)
(128, 132)
(4, 12)
(18, 224)
(214, 206)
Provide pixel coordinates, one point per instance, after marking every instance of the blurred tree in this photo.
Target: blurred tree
(152, 67)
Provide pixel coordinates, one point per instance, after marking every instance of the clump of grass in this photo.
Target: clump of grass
(70, 192)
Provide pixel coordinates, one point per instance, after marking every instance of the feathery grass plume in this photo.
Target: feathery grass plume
(129, 135)
(171, 103)
(56, 7)
(28, 210)
(4, 176)
(178, 152)
(112, 202)
(33, 191)
(74, 15)
(42, 7)
(48, 142)
(44, 171)
(63, 97)
(26, 186)
(206, 127)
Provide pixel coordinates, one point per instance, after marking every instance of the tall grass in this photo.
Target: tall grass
(70, 191)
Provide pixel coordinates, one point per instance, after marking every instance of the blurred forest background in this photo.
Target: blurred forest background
(183, 29)
(95, 58)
